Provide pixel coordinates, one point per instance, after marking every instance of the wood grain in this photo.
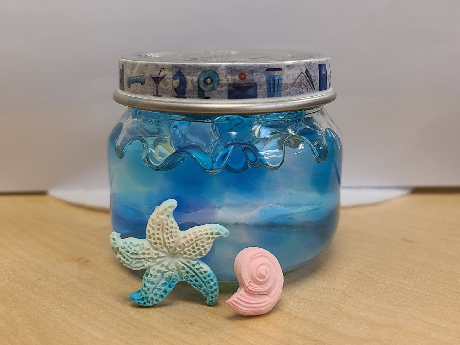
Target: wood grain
(391, 275)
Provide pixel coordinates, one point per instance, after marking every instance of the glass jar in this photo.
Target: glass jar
(259, 156)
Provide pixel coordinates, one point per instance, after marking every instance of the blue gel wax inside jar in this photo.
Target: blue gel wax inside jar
(271, 178)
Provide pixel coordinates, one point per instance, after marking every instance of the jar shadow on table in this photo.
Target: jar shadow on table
(311, 267)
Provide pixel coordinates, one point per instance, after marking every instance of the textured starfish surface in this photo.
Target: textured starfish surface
(169, 256)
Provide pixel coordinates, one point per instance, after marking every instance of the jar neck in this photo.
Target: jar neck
(275, 116)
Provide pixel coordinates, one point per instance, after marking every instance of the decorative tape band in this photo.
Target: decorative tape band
(222, 81)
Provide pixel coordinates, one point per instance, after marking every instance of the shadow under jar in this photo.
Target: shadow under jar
(239, 139)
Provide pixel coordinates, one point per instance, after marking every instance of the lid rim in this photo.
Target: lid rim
(252, 106)
(145, 58)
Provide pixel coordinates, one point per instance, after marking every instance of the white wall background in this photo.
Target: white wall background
(395, 67)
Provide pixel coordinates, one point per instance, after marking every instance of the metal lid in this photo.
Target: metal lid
(225, 82)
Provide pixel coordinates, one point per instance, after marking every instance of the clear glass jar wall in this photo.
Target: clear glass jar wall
(272, 179)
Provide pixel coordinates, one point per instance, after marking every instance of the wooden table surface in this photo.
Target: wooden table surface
(391, 275)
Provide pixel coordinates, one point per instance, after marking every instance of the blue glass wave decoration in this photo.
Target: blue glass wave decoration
(231, 142)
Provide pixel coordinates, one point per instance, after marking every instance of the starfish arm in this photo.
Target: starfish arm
(196, 242)
(201, 277)
(162, 230)
(132, 252)
(156, 285)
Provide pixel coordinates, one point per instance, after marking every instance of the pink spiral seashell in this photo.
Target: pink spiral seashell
(261, 281)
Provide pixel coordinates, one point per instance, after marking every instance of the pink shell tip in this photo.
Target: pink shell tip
(261, 280)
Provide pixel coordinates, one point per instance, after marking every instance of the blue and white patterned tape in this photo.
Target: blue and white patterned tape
(224, 75)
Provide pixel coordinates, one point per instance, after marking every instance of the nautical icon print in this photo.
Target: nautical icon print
(242, 89)
(208, 80)
(181, 88)
(274, 80)
(157, 80)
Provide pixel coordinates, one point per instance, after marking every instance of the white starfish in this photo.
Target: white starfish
(169, 256)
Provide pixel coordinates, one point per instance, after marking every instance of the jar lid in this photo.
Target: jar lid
(225, 82)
